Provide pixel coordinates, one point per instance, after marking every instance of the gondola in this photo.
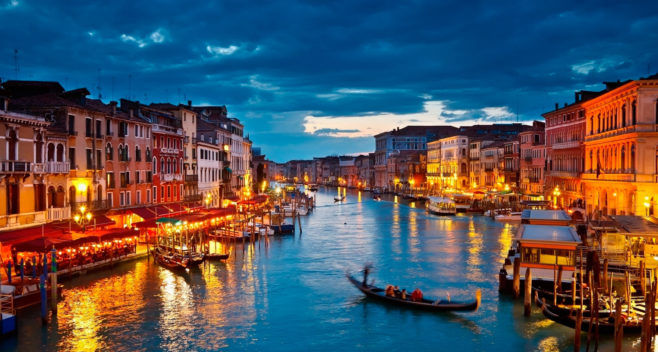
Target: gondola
(217, 256)
(339, 199)
(171, 262)
(425, 304)
(377, 197)
(568, 318)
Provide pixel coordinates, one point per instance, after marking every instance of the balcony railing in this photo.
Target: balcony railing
(191, 178)
(51, 167)
(193, 198)
(109, 134)
(57, 214)
(178, 177)
(624, 130)
(9, 167)
(23, 219)
(609, 177)
(167, 177)
(93, 205)
(564, 173)
(566, 145)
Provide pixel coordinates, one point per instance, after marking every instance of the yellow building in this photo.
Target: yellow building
(621, 149)
(434, 166)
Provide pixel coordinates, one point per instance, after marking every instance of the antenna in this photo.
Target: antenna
(16, 67)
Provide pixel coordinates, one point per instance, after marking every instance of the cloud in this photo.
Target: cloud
(156, 37)
(597, 66)
(434, 113)
(222, 51)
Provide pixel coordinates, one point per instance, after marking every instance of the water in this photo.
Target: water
(293, 296)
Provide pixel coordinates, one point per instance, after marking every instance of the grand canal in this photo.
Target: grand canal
(292, 295)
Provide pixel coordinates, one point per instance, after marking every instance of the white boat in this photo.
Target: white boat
(441, 206)
(509, 217)
(462, 202)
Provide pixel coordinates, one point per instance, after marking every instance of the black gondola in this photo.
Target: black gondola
(339, 199)
(426, 304)
(217, 256)
(568, 318)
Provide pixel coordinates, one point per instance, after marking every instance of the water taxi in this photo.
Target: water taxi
(441, 206)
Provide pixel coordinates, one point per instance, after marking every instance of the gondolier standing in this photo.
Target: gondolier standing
(366, 271)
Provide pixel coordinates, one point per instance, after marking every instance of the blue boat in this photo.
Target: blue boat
(8, 314)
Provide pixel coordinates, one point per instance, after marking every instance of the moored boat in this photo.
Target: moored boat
(217, 256)
(441, 206)
(606, 324)
(509, 217)
(425, 304)
(339, 199)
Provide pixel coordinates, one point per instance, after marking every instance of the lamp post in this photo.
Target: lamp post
(556, 194)
(646, 206)
(83, 217)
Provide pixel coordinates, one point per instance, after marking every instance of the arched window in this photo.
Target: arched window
(634, 113)
(155, 165)
(51, 152)
(60, 152)
(623, 160)
(623, 115)
(138, 154)
(591, 125)
(598, 123)
(148, 153)
(633, 158)
(109, 152)
(162, 166)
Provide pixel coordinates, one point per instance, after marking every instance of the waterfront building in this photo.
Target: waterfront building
(167, 163)
(397, 140)
(621, 149)
(128, 159)
(532, 162)
(565, 151)
(433, 172)
(81, 119)
(476, 167)
(454, 162)
(365, 169)
(348, 176)
(511, 158)
(491, 165)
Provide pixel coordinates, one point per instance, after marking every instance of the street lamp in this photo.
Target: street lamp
(208, 200)
(556, 194)
(83, 217)
(646, 206)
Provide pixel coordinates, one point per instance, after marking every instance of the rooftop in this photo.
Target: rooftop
(532, 214)
(547, 233)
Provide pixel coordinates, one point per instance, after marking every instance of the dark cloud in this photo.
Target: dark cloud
(274, 62)
(331, 131)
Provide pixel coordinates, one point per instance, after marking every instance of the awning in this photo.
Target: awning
(172, 221)
(41, 245)
(123, 233)
(175, 208)
(100, 220)
(160, 210)
(228, 169)
(83, 240)
(144, 213)
(26, 234)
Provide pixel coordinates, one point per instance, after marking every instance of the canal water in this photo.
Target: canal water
(292, 295)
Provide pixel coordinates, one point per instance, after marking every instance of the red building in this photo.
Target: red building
(565, 151)
(167, 163)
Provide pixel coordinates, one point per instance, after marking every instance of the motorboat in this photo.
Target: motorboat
(441, 206)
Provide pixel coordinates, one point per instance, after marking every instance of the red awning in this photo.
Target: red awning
(119, 234)
(26, 234)
(175, 208)
(145, 224)
(101, 220)
(144, 213)
(160, 210)
(41, 245)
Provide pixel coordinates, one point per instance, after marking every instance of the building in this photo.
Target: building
(511, 160)
(565, 151)
(532, 162)
(413, 138)
(365, 165)
(492, 166)
(454, 162)
(349, 176)
(621, 149)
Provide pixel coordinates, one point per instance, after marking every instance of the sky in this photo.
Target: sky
(317, 78)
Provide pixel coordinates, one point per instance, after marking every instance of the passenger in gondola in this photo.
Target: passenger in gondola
(389, 291)
(396, 291)
(403, 294)
(417, 295)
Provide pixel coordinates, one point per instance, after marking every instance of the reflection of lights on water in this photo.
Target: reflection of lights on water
(412, 204)
(395, 199)
(549, 344)
(359, 199)
(505, 240)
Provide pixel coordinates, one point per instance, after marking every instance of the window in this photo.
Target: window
(136, 131)
(148, 153)
(149, 177)
(137, 178)
(90, 162)
(148, 196)
(71, 124)
(162, 193)
(123, 179)
(99, 134)
(122, 199)
(88, 130)
(634, 113)
(110, 180)
(155, 193)
(155, 165)
(109, 152)
(72, 157)
(138, 154)
(110, 199)
(168, 192)
(138, 198)
(128, 198)
(193, 153)
(108, 130)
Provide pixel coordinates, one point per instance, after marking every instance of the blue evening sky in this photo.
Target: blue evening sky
(314, 78)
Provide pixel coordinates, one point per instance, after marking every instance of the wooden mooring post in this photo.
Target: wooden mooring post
(516, 283)
(619, 327)
(527, 293)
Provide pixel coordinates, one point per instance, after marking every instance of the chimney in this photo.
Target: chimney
(130, 112)
(113, 104)
(189, 103)
(5, 101)
(557, 106)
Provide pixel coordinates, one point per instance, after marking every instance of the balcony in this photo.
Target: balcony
(51, 167)
(191, 178)
(566, 145)
(621, 131)
(626, 177)
(11, 167)
(178, 177)
(23, 219)
(109, 134)
(57, 214)
(167, 177)
(566, 174)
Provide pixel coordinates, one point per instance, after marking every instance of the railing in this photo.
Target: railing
(566, 145)
(57, 167)
(14, 166)
(57, 214)
(23, 219)
(167, 177)
(564, 173)
(609, 177)
(191, 178)
(193, 198)
(109, 134)
(178, 177)
(623, 130)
